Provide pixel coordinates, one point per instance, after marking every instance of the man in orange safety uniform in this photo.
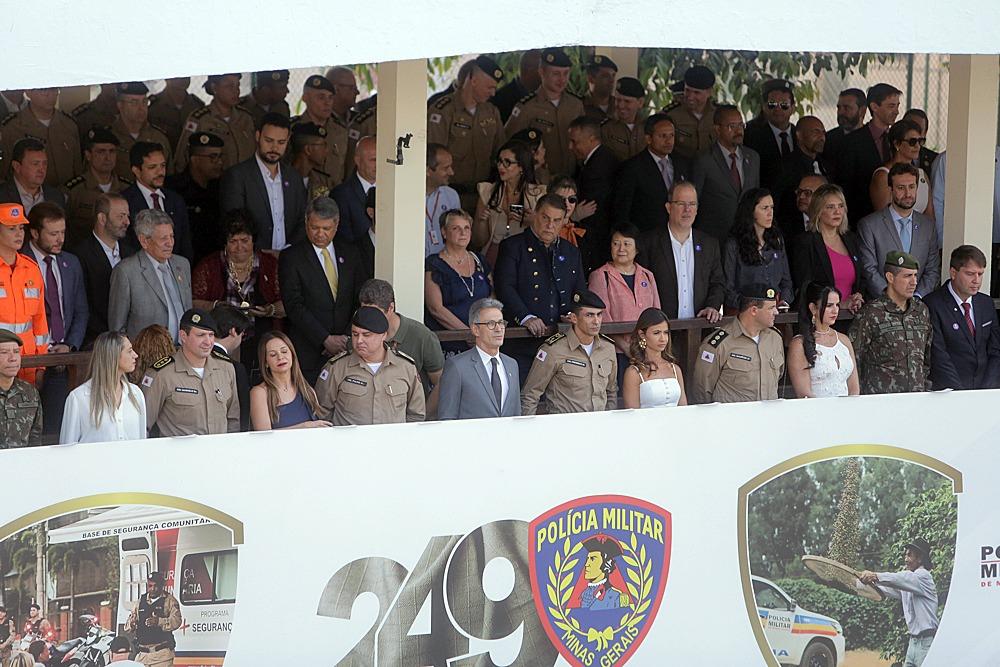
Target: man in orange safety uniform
(22, 288)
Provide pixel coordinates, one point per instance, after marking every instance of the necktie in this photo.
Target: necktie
(156, 201)
(786, 148)
(665, 173)
(331, 272)
(495, 381)
(905, 234)
(883, 146)
(174, 306)
(967, 307)
(734, 173)
(57, 331)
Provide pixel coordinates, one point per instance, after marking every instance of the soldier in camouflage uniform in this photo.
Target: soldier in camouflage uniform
(20, 405)
(892, 334)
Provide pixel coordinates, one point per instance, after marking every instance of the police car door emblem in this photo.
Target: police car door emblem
(598, 568)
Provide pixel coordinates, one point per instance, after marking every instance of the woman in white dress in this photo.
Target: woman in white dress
(107, 406)
(821, 360)
(653, 379)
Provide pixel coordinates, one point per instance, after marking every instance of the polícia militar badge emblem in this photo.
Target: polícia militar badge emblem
(598, 570)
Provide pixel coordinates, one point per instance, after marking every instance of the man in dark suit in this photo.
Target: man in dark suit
(320, 280)
(366, 245)
(350, 195)
(723, 174)
(482, 382)
(866, 149)
(772, 133)
(806, 159)
(65, 301)
(29, 166)
(686, 262)
(273, 193)
(99, 253)
(644, 180)
(527, 80)
(230, 325)
(595, 182)
(149, 166)
(198, 186)
(852, 106)
(793, 219)
(965, 351)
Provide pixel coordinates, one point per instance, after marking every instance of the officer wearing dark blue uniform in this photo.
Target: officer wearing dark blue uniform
(536, 275)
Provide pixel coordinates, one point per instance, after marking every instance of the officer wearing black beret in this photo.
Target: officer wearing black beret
(309, 151)
(318, 94)
(101, 111)
(132, 125)
(577, 371)
(198, 184)
(692, 113)
(624, 131)
(100, 152)
(268, 93)
(601, 72)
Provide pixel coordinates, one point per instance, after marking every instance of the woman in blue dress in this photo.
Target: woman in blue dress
(284, 399)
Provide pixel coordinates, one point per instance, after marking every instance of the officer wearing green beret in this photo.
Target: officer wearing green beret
(100, 152)
(599, 101)
(20, 405)
(892, 333)
(550, 110)
(576, 371)
(268, 93)
(370, 383)
(310, 148)
(693, 112)
(468, 124)
(132, 125)
(224, 118)
(744, 359)
(623, 131)
(191, 392)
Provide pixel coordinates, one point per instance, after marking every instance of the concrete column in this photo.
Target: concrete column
(627, 58)
(401, 193)
(973, 83)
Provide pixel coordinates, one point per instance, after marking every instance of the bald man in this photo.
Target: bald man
(350, 195)
(807, 158)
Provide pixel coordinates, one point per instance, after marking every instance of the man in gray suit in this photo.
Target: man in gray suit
(152, 286)
(899, 227)
(723, 174)
(481, 382)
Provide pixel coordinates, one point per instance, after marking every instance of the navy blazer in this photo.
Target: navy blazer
(97, 279)
(531, 279)
(242, 187)
(959, 361)
(354, 220)
(640, 193)
(73, 295)
(857, 161)
(175, 207)
(760, 137)
(656, 253)
(10, 195)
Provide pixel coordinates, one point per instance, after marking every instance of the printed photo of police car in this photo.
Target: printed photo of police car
(797, 636)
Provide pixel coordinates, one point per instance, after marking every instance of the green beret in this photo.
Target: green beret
(10, 337)
(902, 260)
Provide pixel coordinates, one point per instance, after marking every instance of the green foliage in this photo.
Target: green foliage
(865, 623)
(845, 545)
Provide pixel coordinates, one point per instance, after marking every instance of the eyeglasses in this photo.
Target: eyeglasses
(505, 162)
(732, 127)
(913, 141)
(572, 199)
(685, 204)
(784, 106)
(493, 325)
(803, 192)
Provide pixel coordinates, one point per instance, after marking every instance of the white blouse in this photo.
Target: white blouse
(127, 423)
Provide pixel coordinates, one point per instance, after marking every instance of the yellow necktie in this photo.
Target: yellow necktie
(331, 272)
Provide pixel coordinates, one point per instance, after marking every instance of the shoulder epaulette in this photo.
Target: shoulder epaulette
(554, 338)
(365, 115)
(163, 362)
(81, 108)
(526, 98)
(158, 129)
(198, 113)
(126, 181)
(671, 107)
(73, 182)
(607, 338)
(154, 97)
(243, 109)
(219, 354)
(717, 337)
(404, 355)
(338, 356)
(605, 120)
(444, 101)
(9, 117)
(61, 112)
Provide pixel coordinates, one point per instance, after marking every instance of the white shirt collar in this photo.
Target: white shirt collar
(265, 172)
(111, 250)
(486, 358)
(156, 263)
(594, 150)
(957, 298)
(40, 254)
(365, 184)
(146, 192)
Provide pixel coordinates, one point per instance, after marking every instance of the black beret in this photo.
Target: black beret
(199, 319)
(208, 139)
(556, 58)
(370, 319)
(156, 576)
(699, 77)
(216, 78)
(270, 76)
(528, 135)
(10, 337)
(490, 67)
(778, 84)
(319, 82)
(601, 61)
(586, 299)
(759, 291)
(132, 88)
(309, 130)
(630, 87)
(100, 134)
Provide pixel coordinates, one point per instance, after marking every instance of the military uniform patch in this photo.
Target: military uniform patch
(162, 363)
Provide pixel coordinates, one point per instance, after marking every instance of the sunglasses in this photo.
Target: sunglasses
(914, 141)
(784, 106)
(571, 199)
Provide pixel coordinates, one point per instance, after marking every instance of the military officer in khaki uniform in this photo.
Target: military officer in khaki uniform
(191, 392)
(317, 95)
(41, 119)
(578, 370)
(100, 150)
(309, 151)
(744, 359)
(692, 115)
(599, 102)
(224, 118)
(20, 405)
(344, 131)
(550, 109)
(100, 112)
(371, 384)
(470, 126)
(623, 132)
(168, 110)
(268, 94)
(133, 125)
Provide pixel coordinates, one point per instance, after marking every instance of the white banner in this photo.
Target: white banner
(445, 522)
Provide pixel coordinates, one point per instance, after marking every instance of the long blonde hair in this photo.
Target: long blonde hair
(105, 378)
(820, 196)
(298, 380)
(21, 659)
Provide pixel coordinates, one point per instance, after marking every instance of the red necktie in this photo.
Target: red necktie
(156, 201)
(734, 173)
(967, 307)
